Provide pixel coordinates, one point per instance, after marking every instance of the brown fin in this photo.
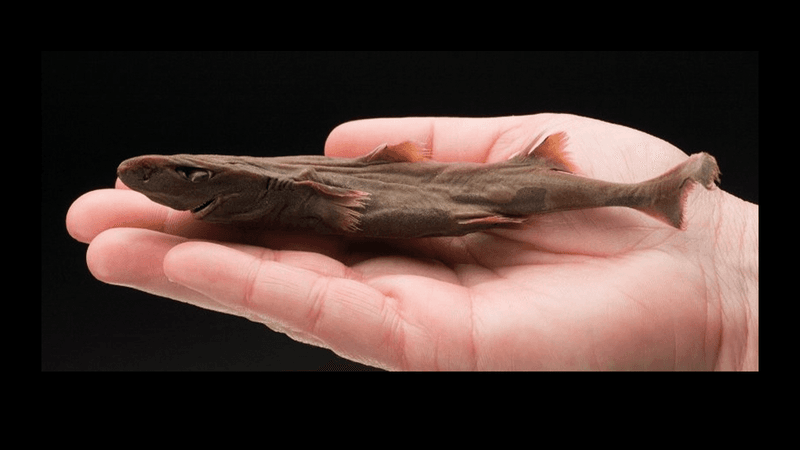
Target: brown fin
(492, 220)
(343, 203)
(350, 198)
(347, 218)
(404, 152)
(673, 187)
(550, 152)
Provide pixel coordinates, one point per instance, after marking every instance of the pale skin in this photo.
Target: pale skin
(606, 288)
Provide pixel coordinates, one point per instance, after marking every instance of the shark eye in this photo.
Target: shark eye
(194, 174)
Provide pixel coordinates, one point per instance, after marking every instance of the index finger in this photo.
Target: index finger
(103, 209)
(448, 138)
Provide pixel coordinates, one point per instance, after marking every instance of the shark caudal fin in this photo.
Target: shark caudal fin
(671, 189)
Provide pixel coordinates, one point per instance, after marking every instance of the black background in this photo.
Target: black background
(99, 108)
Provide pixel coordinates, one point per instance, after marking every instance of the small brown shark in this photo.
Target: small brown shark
(396, 191)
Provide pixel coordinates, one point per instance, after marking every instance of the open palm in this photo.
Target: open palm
(606, 288)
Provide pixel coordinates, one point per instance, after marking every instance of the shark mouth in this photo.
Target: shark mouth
(203, 209)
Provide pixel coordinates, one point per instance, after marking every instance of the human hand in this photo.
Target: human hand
(605, 288)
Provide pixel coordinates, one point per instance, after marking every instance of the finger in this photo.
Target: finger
(311, 299)
(597, 148)
(120, 185)
(449, 139)
(135, 258)
(97, 211)
(100, 210)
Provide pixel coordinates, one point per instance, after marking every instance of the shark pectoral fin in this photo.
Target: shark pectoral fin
(493, 220)
(349, 198)
(339, 206)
